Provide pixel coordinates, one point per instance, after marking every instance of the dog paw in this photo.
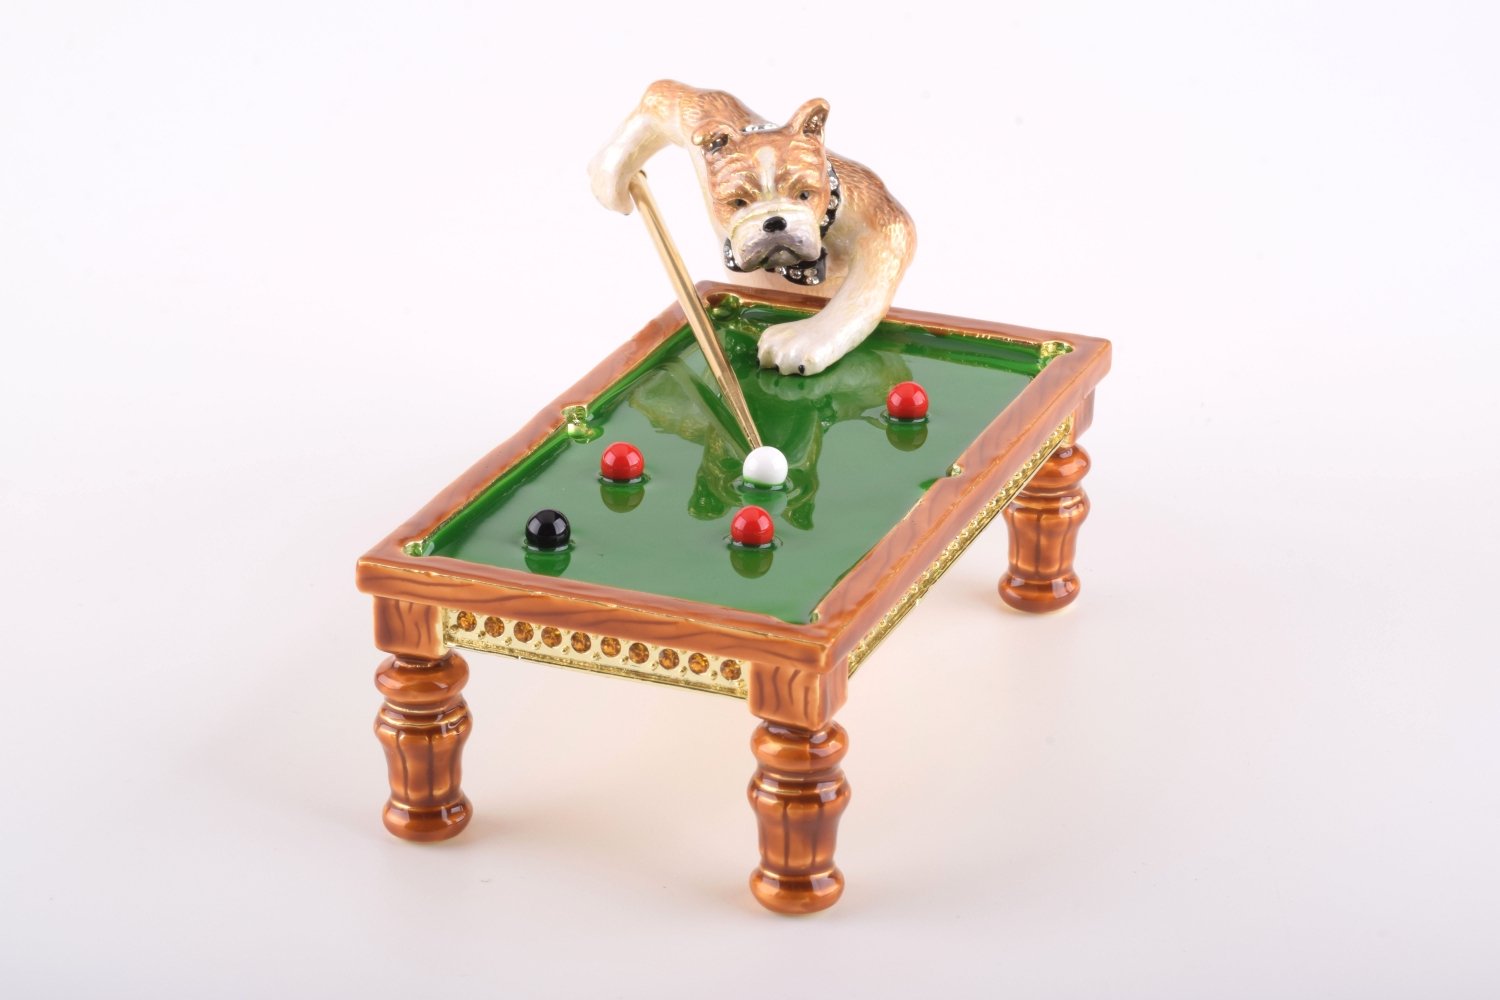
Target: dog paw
(802, 347)
(611, 188)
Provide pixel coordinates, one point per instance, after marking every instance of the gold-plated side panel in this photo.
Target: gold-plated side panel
(956, 547)
(598, 652)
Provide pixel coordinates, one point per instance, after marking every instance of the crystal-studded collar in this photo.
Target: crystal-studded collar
(805, 272)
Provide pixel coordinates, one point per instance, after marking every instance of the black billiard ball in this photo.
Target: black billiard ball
(547, 530)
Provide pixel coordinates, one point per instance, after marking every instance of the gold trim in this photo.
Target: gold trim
(955, 548)
(563, 647)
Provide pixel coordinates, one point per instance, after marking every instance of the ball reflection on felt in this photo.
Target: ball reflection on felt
(765, 466)
(622, 498)
(751, 563)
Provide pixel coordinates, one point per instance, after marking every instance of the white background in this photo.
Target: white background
(271, 276)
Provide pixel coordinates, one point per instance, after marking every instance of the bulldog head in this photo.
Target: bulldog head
(768, 187)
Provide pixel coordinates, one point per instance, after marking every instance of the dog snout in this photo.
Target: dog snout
(774, 224)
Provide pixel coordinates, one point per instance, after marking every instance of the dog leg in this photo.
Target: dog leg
(669, 113)
(808, 346)
(637, 140)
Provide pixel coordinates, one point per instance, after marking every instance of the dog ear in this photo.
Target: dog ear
(712, 136)
(809, 119)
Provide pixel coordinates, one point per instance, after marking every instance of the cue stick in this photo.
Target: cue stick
(692, 305)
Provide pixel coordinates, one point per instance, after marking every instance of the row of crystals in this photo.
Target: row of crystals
(582, 642)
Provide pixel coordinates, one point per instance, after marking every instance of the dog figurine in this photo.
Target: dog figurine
(786, 209)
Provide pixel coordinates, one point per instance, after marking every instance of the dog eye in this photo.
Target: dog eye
(805, 195)
(740, 203)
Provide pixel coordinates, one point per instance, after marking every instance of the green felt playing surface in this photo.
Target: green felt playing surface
(854, 473)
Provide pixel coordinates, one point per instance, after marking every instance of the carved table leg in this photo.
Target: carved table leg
(1044, 520)
(798, 794)
(422, 726)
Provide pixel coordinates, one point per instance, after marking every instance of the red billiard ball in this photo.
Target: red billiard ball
(752, 526)
(907, 401)
(622, 462)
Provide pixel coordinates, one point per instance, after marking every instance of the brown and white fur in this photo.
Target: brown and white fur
(770, 173)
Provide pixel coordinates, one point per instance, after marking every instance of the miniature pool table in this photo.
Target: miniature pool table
(651, 587)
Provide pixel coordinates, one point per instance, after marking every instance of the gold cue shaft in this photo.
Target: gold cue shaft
(697, 317)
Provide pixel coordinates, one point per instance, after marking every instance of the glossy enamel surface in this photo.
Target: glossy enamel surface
(853, 473)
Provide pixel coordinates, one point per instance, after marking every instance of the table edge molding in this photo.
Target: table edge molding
(955, 548)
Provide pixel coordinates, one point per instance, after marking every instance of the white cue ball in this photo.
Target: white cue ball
(765, 466)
